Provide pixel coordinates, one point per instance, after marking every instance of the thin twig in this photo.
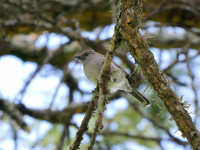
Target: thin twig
(138, 137)
(65, 71)
(14, 113)
(135, 106)
(103, 80)
(20, 95)
(86, 119)
(15, 137)
(64, 134)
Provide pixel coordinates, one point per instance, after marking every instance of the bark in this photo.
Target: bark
(129, 28)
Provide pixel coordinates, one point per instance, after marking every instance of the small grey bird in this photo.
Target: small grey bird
(119, 80)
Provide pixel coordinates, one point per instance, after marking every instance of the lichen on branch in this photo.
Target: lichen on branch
(131, 15)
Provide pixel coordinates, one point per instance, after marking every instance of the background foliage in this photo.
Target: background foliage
(44, 94)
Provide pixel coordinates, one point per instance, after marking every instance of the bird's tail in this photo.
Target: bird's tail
(138, 96)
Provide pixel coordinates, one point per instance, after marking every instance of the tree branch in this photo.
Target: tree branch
(51, 116)
(130, 24)
(103, 80)
(85, 121)
(14, 113)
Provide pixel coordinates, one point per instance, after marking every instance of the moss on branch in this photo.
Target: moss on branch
(129, 29)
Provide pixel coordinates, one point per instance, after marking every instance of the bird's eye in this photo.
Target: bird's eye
(86, 54)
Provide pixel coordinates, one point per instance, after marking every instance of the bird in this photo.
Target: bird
(92, 63)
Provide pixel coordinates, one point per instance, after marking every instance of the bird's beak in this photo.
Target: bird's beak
(80, 57)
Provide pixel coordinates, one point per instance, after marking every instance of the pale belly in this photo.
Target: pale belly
(117, 81)
(93, 72)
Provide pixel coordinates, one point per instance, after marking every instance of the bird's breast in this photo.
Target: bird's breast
(92, 70)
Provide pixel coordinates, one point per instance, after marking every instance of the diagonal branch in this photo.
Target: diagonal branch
(86, 119)
(16, 111)
(103, 80)
(48, 57)
(131, 22)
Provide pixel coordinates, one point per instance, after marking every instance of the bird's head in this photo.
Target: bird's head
(86, 55)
